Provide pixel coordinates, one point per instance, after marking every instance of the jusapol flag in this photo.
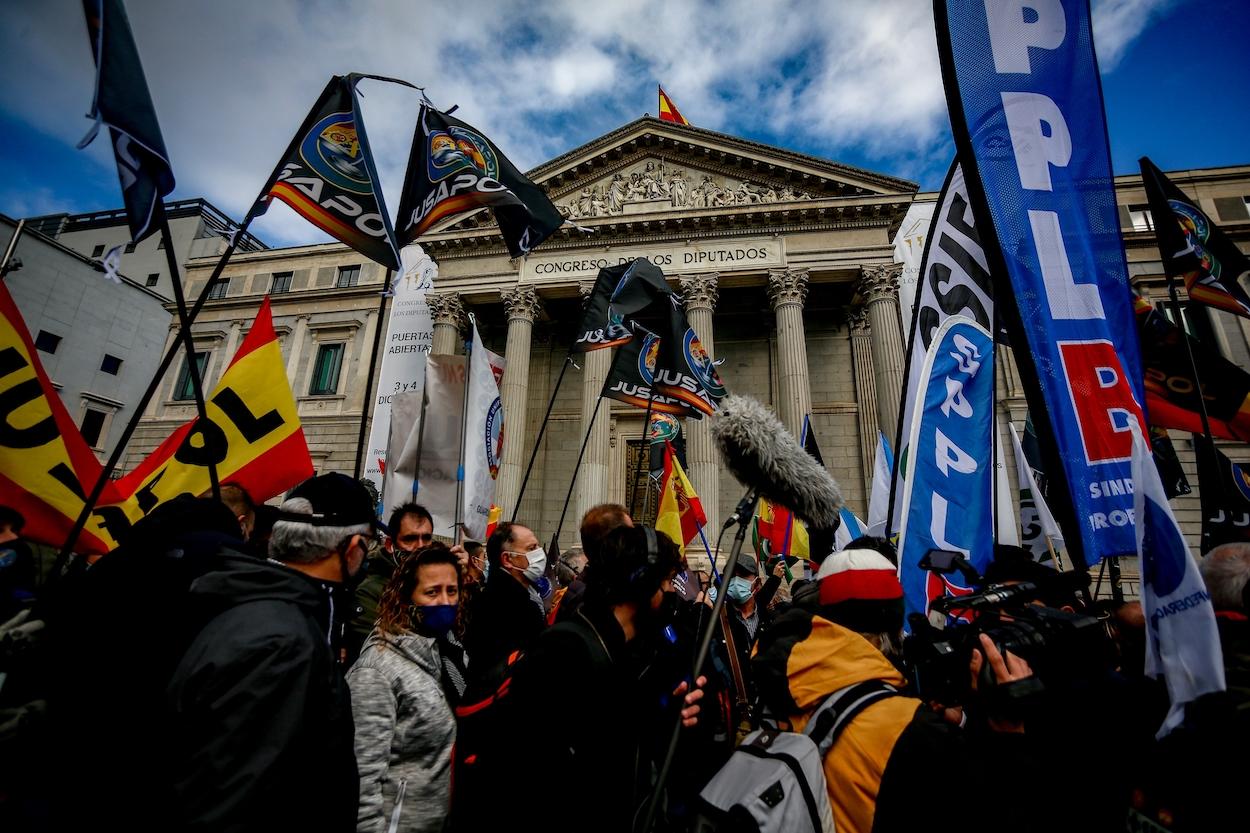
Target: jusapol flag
(1182, 641)
(123, 104)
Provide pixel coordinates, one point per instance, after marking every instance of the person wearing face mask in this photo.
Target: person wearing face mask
(408, 678)
(603, 659)
(409, 528)
(258, 715)
(508, 614)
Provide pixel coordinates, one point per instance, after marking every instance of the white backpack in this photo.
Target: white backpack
(775, 781)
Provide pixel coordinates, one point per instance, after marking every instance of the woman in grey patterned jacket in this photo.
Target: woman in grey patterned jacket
(404, 685)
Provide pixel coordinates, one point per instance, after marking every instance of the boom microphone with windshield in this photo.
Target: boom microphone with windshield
(762, 454)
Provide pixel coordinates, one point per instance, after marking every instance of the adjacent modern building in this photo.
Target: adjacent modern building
(785, 263)
(99, 341)
(197, 227)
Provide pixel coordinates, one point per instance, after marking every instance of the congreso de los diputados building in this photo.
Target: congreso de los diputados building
(787, 265)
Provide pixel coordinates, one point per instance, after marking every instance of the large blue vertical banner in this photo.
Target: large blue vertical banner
(1026, 109)
(949, 474)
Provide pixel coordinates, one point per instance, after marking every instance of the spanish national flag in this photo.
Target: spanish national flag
(680, 515)
(668, 110)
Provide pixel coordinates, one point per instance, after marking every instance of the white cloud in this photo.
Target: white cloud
(233, 79)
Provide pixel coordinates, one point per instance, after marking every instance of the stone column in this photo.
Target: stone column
(787, 289)
(156, 405)
(522, 306)
(700, 293)
(298, 337)
(360, 375)
(227, 355)
(592, 476)
(447, 312)
(879, 287)
(865, 391)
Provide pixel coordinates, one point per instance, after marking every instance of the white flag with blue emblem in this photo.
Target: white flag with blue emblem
(850, 529)
(879, 500)
(1182, 642)
(483, 437)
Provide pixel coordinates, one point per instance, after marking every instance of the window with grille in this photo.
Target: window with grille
(1197, 321)
(219, 288)
(348, 276)
(281, 283)
(153, 278)
(184, 388)
(98, 251)
(1139, 218)
(325, 379)
(641, 490)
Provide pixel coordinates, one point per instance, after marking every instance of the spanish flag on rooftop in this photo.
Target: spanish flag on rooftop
(668, 110)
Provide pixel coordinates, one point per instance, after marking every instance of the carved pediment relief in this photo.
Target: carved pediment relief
(655, 184)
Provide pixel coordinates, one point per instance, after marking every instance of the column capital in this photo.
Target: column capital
(586, 289)
(446, 308)
(700, 291)
(521, 303)
(787, 286)
(857, 319)
(879, 283)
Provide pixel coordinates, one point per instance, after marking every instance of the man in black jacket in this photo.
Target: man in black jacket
(508, 614)
(260, 733)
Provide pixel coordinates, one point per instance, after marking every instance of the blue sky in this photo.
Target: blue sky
(855, 81)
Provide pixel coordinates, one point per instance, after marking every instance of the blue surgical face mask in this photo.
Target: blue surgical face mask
(739, 590)
(435, 620)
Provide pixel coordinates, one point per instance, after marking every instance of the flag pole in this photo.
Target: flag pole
(568, 360)
(425, 401)
(105, 473)
(373, 366)
(1054, 555)
(188, 339)
(645, 451)
(458, 534)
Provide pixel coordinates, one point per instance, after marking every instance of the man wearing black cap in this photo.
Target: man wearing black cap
(261, 728)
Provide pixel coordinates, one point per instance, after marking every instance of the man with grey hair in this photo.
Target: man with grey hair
(261, 734)
(1226, 571)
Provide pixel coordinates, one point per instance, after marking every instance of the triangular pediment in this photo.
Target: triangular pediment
(650, 167)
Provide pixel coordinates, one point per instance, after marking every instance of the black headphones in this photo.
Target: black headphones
(653, 555)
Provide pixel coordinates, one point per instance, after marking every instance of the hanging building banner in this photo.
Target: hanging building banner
(1027, 114)
(483, 437)
(327, 175)
(950, 475)
(409, 337)
(954, 279)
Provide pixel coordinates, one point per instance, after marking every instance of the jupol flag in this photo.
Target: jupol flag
(327, 175)
(1037, 525)
(668, 110)
(46, 467)
(879, 500)
(123, 104)
(1182, 642)
(252, 433)
(453, 168)
(680, 514)
(1194, 247)
(483, 437)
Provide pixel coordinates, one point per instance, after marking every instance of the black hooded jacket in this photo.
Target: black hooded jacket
(261, 729)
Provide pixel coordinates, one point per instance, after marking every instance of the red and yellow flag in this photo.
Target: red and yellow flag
(46, 467)
(253, 432)
(680, 514)
(668, 110)
(784, 533)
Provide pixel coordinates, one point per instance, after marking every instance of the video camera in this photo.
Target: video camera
(1057, 644)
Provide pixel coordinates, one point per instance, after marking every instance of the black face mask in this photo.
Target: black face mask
(353, 580)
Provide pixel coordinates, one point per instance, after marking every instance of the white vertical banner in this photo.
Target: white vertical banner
(409, 336)
(1004, 506)
(909, 247)
(1036, 523)
(879, 499)
(440, 440)
(483, 437)
(401, 458)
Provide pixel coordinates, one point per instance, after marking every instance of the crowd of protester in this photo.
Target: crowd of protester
(233, 667)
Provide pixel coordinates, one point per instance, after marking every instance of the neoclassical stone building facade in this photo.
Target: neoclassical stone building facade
(784, 263)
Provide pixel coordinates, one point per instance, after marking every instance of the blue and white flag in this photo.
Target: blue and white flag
(1027, 116)
(947, 504)
(1182, 641)
(850, 529)
(879, 500)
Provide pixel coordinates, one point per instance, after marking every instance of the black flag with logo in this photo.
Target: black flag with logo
(632, 377)
(684, 370)
(621, 294)
(123, 104)
(1225, 491)
(327, 174)
(1194, 247)
(454, 168)
(1175, 483)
